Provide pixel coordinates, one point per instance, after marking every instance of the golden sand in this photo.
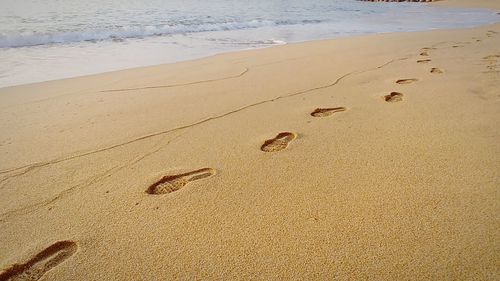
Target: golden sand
(339, 159)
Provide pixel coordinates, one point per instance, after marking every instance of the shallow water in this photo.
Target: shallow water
(51, 39)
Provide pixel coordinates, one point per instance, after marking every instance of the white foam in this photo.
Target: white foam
(34, 39)
(66, 35)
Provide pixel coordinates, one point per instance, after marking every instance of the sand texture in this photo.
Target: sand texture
(340, 159)
(489, 4)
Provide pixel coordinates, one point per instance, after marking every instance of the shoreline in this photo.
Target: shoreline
(230, 52)
(356, 158)
(101, 83)
(486, 4)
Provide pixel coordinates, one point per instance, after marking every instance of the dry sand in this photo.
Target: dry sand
(378, 167)
(489, 4)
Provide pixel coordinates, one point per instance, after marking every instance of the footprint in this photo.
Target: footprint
(429, 48)
(424, 61)
(278, 143)
(436, 70)
(490, 33)
(406, 81)
(42, 262)
(491, 57)
(323, 112)
(425, 54)
(168, 184)
(491, 62)
(393, 97)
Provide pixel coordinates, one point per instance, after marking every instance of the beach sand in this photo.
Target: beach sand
(363, 158)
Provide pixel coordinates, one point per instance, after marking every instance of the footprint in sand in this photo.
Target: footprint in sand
(490, 33)
(492, 58)
(406, 81)
(324, 112)
(436, 70)
(424, 54)
(423, 61)
(393, 97)
(491, 62)
(428, 48)
(278, 143)
(168, 184)
(42, 262)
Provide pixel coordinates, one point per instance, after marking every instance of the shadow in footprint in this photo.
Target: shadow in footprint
(278, 143)
(436, 70)
(324, 112)
(406, 81)
(423, 61)
(42, 262)
(168, 184)
(393, 97)
(425, 54)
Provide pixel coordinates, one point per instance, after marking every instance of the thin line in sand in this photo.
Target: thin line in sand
(86, 183)
(181, 84)
(30, 167)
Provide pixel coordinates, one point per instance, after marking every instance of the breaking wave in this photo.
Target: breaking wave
(128, 32)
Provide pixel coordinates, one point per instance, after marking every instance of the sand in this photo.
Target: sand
(489, 4)
(340, 159)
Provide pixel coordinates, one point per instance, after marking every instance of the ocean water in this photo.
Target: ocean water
(51, 39)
